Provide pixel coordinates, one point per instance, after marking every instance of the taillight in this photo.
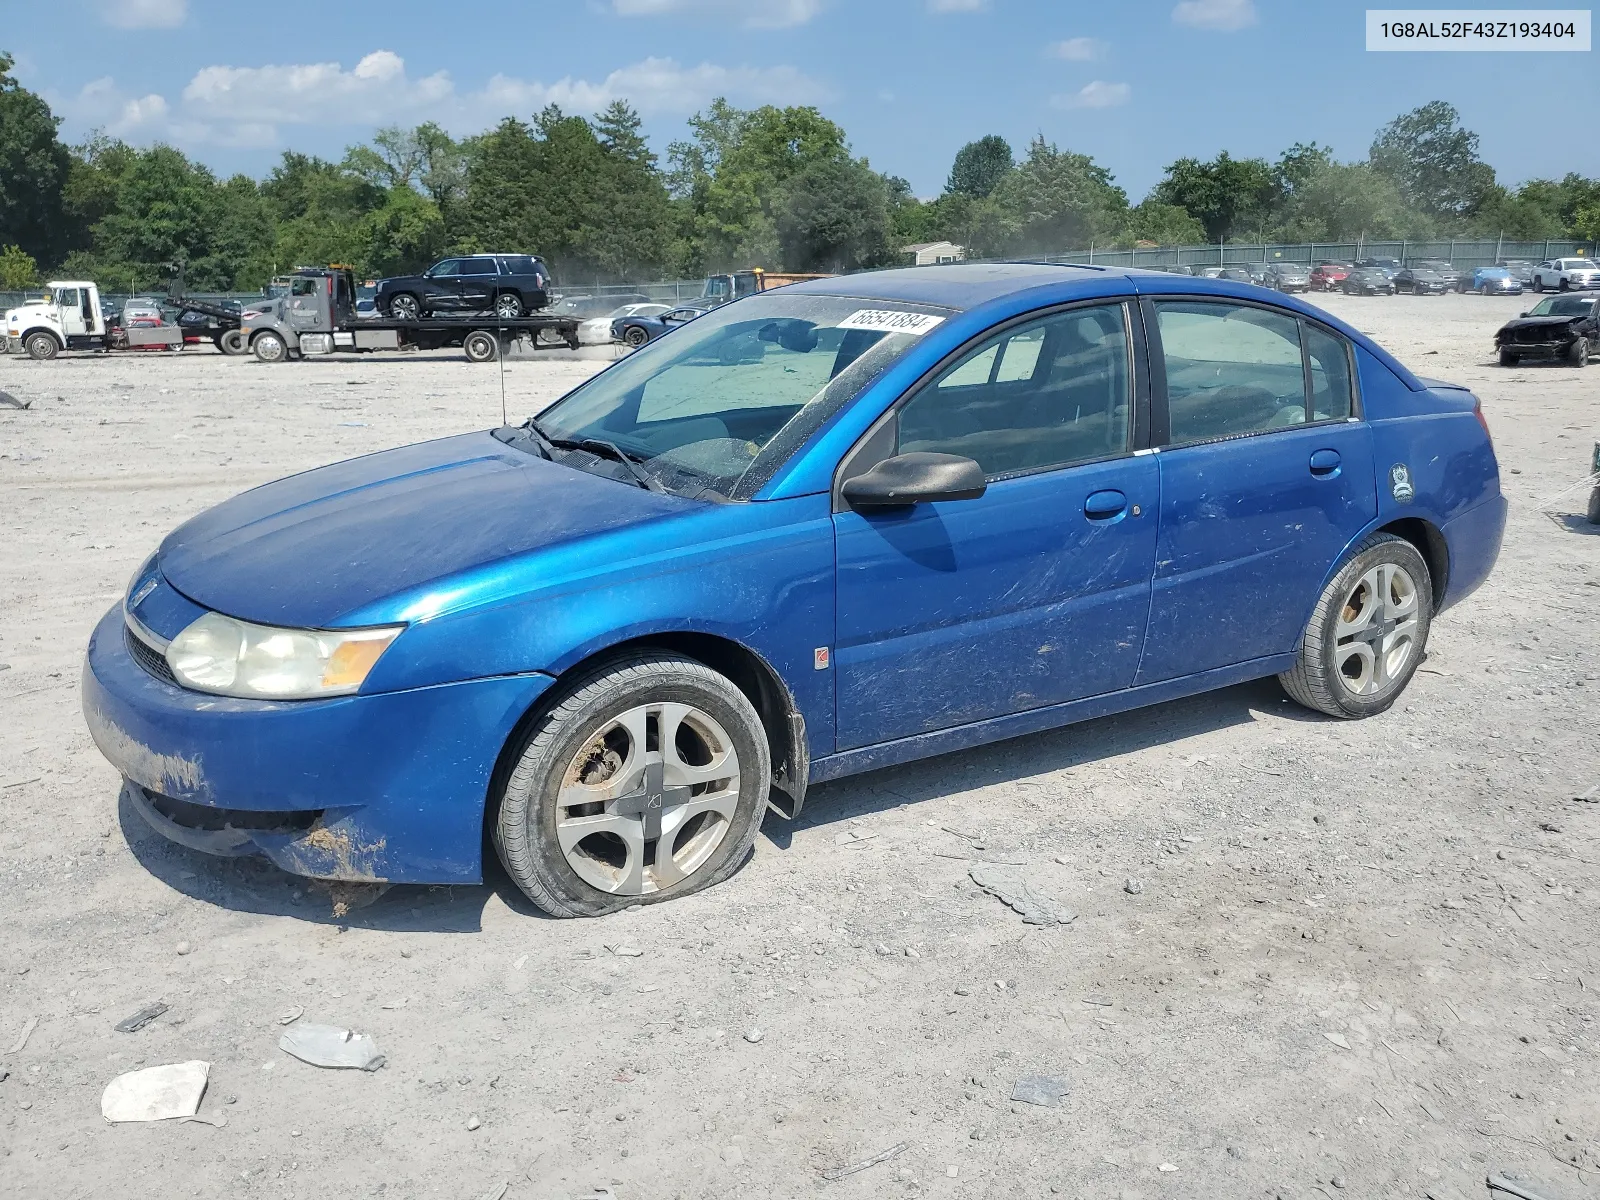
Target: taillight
(1477, 411)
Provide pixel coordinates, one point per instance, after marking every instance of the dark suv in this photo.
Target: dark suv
(507, 284)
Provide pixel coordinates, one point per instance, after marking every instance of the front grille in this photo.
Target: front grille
(148, 657)
(1540, 336)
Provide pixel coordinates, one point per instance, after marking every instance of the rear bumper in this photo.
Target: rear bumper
(1474, 541)
(383, 787)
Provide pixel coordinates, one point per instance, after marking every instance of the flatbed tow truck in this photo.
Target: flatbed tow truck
(318, 316)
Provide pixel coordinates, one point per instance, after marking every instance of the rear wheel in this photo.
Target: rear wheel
(508, 306)
(646, 781)
(481, 346)
(1367, 634)
(404, 307)
(41, 346)
(635, 336)
(270, 347)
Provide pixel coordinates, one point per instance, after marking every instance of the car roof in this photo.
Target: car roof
(955, 285)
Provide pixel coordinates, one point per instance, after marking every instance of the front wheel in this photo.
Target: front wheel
(1509, 358)
(635, 336)
(646, 781)
(480, 346)
(1538, 284)
(233, 343)
(270, 347)
(41, 346)
(1367, 634)
(404, 307)
(1578, 355)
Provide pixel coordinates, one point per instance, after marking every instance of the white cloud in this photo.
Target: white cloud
(376, 90)
(754, 14)
(1078, 49)
(245, 106)
(952, 6)
(1098, 94)
(145, 14)
(1224, 15)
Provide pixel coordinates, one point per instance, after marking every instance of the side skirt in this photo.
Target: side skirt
(997, 729)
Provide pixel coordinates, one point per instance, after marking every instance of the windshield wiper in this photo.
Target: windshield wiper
(610, 450)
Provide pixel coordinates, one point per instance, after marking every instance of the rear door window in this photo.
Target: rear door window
(479, 266)
(1328, 365)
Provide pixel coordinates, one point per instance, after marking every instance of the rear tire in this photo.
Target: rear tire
(1368, 633)
(269, 347)
(587, 741)
(41, 346)
(508, 306)
(481, 346)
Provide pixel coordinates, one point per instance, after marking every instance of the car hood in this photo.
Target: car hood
(312, 549)
(1534, 322)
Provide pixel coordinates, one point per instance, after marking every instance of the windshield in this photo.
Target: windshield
(1561, 306)
(724, 399)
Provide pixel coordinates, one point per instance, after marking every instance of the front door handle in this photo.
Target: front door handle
(1105, 506)
(1325, 463)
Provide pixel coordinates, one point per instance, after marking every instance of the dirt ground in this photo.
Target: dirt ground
(1363, 960)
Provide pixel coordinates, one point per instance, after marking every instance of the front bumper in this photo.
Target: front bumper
(388, 787)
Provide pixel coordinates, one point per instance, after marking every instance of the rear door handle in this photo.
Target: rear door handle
(1325, 463)
(1105, 506)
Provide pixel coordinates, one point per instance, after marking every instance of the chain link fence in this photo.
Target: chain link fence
(1464, 254)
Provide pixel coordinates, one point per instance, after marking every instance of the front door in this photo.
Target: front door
(70, 302)
(1266, 476)
(306, 308)
(478, 280)
(1035, 593)
(444, 287)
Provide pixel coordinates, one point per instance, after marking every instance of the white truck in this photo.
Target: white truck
(1566, 274)
(68, 317)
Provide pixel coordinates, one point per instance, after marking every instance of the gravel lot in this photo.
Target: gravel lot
(1362, 961)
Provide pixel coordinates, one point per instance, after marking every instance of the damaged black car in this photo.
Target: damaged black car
(1564, 328)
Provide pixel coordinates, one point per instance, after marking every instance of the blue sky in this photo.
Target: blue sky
(1135, 83)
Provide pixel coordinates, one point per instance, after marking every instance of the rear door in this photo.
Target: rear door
(1266, 476)
(1036, 592)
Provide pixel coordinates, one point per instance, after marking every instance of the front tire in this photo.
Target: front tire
(270, 347)
(233, 343)
(41, 346)
(647, 780)
(1578, 355)
(481, 347)
(635, 336)
(1509, 358)
(1368, 632)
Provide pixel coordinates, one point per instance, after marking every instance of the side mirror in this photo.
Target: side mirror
(1522, 314)
(917, 478)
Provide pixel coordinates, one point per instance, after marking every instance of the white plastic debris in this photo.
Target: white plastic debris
(330, 1046)
(156, 1093)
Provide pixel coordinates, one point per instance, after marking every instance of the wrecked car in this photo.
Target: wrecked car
(1559, 327)
(821, 530)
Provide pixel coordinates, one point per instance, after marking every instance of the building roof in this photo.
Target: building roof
(916, 246)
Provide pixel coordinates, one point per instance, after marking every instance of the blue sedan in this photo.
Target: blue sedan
(638, 329)
(821, 530)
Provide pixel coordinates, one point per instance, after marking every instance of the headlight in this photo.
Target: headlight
(235, 658)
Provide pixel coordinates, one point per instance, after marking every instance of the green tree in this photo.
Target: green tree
(1164, 224)
(17, 269)
(1230, 197)
(834, 216)
(34, 167)
(1433, 161)
(979, 166)
(97, 169)
(1056, 200)
(1343, 202)
(165, 213)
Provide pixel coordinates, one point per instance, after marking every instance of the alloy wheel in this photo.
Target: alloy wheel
(1376, 633)
(507, 307)
(647, 799)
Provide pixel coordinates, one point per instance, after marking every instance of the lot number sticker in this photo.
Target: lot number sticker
(888, 321)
